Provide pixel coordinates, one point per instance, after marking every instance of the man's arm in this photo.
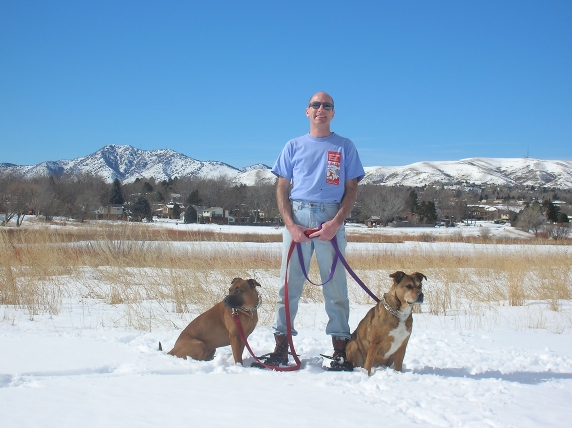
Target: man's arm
(285, 209)
(330, 228)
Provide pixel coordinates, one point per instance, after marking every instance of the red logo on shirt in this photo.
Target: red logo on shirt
(333, 168)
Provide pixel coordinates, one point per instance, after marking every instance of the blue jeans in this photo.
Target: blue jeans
(311, 215)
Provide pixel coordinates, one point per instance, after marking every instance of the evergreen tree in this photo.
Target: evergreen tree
(413, 202)
(191, 215)
(159, 197)
(551, 211)
(141, 209)
(563, 218)
(427, 211)
(116, 194)
(147, 188)
(176, 214)
(194, 198)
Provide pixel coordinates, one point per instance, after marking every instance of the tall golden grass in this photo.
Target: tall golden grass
(153, 274)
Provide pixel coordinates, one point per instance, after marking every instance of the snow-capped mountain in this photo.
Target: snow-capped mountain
(255, 176)
(128, 163)
(254, 167)
(501, 171)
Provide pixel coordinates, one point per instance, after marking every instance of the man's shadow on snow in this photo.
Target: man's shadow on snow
(529, 378)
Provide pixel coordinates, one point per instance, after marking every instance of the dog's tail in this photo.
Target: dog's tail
(160, 346)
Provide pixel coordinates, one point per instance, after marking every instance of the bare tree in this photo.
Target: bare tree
(84, 204)
(235, 199)
(214, 192)
(455, 208)
(557, 231)
(47, 200)
(531, 219)
(387, 202)
(78, 195)
(5, 201)
(262, 199)
(23, 199)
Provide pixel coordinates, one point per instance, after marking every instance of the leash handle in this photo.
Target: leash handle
(310, 231)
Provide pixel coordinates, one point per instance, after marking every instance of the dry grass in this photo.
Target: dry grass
(489, 274)
(156, 274)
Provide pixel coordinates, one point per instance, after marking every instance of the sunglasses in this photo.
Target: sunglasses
(316, 105)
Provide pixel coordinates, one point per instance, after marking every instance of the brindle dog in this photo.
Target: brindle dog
(382, 335)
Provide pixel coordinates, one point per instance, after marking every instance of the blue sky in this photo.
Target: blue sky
(230, 80)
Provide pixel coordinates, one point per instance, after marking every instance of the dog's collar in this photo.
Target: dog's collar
(389, 309)
(253, 309)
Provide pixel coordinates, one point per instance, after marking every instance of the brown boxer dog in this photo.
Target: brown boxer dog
(381, 336)
(216, 327)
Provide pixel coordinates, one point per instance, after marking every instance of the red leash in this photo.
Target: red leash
(338, 256)
(288, 326)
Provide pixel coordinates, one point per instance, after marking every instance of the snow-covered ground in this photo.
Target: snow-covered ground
(79, 369)
(476, 229)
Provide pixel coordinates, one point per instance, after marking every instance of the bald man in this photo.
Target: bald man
(318, 174)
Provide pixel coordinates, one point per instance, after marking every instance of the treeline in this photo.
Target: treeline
(455, 202)
(79, 196)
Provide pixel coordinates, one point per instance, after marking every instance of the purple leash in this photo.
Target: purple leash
(339, 256)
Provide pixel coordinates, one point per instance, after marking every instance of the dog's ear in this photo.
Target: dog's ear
(253, 283)
(420, 276)
(234, 280)
(397, 276)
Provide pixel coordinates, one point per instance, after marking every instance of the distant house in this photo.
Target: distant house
(217, 215)
(157, 210)
(110, 212)
(373, 221)
(168, 211)
(482, 212)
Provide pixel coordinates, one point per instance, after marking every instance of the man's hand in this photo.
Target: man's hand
(297, 233)
(330, 228)
(327, 232)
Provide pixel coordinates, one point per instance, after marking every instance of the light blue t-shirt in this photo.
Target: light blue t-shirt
(319, 167)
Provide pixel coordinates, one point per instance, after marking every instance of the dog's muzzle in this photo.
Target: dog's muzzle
(419, 299)
(233, 301)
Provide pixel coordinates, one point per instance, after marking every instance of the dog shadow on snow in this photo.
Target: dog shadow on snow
(527, 378)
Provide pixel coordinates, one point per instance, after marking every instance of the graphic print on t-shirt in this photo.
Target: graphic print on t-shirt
(333, 168)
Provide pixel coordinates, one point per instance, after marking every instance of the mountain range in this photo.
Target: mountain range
(128, 164)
